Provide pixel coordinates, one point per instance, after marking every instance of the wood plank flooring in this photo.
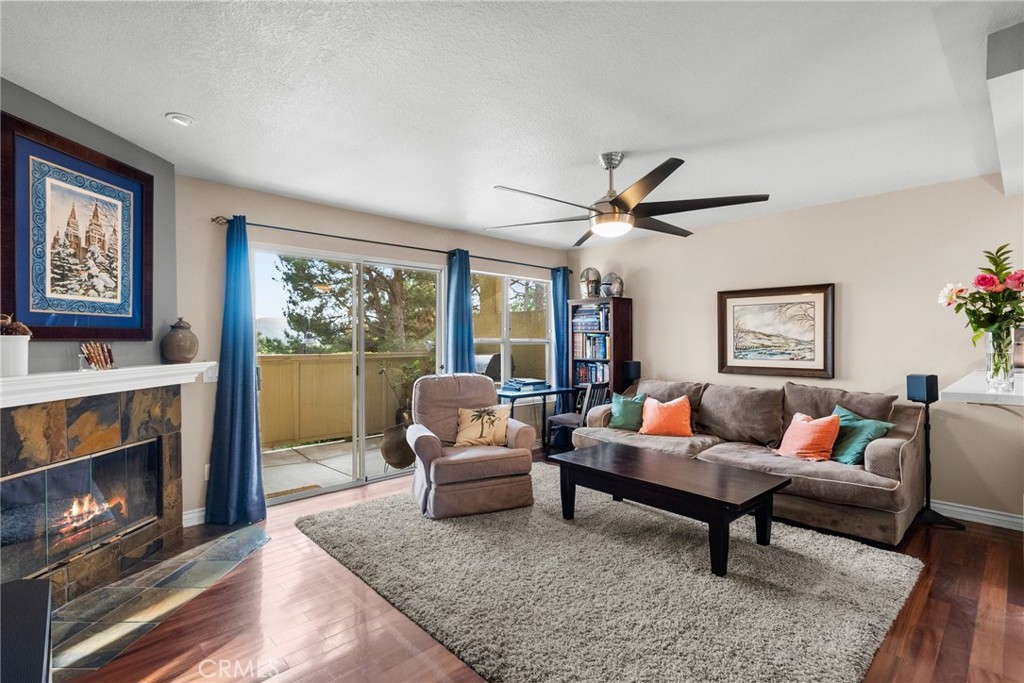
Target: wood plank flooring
(292, 613)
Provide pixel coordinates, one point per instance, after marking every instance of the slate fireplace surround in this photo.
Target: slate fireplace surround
(115, 509)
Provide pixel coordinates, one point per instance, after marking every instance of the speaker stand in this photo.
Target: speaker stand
(927, 515)
(932, 518)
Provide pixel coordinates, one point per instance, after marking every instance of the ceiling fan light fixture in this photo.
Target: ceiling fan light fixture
(611, 224)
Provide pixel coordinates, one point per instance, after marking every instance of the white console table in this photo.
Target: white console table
(972, 389)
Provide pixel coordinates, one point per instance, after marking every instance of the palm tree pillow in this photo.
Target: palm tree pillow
(483, 426)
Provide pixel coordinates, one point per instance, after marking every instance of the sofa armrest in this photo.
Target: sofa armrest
(599, 416)
(520, 435)
(424, 444)
(900, 452)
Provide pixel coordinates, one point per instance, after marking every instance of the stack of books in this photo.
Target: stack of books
(524, 384)
(588, 319)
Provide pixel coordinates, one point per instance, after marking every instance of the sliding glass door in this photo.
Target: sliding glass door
(339, 343)
(399, 344)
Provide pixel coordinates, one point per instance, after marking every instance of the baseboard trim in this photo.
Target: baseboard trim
(193, 517)
(967, 513)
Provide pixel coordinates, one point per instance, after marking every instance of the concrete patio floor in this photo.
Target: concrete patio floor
(316, 466)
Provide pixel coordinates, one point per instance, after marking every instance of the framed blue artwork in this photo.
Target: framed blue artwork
(77, 232)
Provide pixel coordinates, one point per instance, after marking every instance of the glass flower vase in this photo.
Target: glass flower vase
(999, 368)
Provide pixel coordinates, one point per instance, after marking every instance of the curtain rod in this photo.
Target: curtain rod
(222, 220)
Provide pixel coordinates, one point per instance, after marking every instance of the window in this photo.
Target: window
(511, 326)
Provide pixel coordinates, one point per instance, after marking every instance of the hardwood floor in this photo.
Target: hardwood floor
(292, 613)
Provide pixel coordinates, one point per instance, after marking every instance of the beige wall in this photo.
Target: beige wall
(889, 255)
(200, 287)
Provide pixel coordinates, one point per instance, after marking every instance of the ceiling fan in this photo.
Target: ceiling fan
(617, 213)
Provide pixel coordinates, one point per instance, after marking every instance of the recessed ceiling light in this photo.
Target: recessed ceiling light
(180, 119)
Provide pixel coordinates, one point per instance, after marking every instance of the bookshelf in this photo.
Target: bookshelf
(600, 340)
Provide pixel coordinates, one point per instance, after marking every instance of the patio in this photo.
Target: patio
(300, 469)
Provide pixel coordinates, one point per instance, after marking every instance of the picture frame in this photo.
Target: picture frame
(77, 233)
(788, 331)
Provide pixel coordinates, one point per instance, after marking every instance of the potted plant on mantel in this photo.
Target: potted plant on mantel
(14, 338)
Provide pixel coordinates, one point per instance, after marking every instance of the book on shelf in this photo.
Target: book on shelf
(588, 345)
(588, 373)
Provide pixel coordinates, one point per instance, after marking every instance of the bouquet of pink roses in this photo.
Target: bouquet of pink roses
(996, 303)
(996, 307)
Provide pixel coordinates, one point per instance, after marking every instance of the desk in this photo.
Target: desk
(514, 396)
(972, 389)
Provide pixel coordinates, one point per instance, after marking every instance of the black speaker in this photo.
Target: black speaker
(923, 388)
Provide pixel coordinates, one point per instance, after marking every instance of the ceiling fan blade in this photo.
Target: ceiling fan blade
(635, 193)
(586, 236)
(553, 220)
(681, 205)
(660, 226)
(534, 194)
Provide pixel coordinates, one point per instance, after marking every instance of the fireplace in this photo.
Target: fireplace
(89, 485)
(51, 514)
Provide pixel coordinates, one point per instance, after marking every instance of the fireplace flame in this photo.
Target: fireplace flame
(82, 510)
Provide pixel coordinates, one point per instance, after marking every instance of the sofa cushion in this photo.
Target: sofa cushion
(483, 426)
(742, 414)
(671, 418)
(823, 480)
(627, 413)
(466, 463)
(855, 433)
(688, 446)
(819, 402)
(666, 391)
(810, 439)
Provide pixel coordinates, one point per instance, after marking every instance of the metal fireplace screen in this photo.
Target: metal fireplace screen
(52, 514)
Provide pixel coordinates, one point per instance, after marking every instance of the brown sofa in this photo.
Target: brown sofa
(739, 426)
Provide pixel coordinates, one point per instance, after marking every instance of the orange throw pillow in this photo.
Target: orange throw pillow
(810, 439)
(667, 419)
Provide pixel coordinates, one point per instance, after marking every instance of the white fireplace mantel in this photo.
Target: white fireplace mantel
(56, 386)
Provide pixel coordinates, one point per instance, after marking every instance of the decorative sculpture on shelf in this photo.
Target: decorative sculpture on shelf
(590, 283)
(611, 285)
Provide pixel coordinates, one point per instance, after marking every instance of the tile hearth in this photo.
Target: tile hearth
(91, 630)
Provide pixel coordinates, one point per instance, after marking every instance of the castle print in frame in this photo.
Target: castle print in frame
(77, 229)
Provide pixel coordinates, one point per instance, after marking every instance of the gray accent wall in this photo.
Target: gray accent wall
(49, 356)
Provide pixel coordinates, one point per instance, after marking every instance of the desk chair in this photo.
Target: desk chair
(596, 394)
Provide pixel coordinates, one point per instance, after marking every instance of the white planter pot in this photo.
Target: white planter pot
(13, 355)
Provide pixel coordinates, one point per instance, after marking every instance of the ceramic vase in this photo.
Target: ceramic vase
(180, 345)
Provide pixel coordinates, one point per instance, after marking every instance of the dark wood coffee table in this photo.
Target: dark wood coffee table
(705, 491)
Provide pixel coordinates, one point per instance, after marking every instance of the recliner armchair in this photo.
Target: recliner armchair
(450, 481)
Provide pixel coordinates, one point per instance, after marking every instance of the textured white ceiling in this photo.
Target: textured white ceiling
(415, 110)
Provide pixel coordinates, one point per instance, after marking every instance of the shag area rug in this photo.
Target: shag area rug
(623, 592)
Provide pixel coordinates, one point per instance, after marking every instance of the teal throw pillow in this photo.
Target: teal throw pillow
(855, 433)
(627, 413)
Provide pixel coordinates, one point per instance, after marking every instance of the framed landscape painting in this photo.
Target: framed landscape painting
(780, 331)
(77, 230)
